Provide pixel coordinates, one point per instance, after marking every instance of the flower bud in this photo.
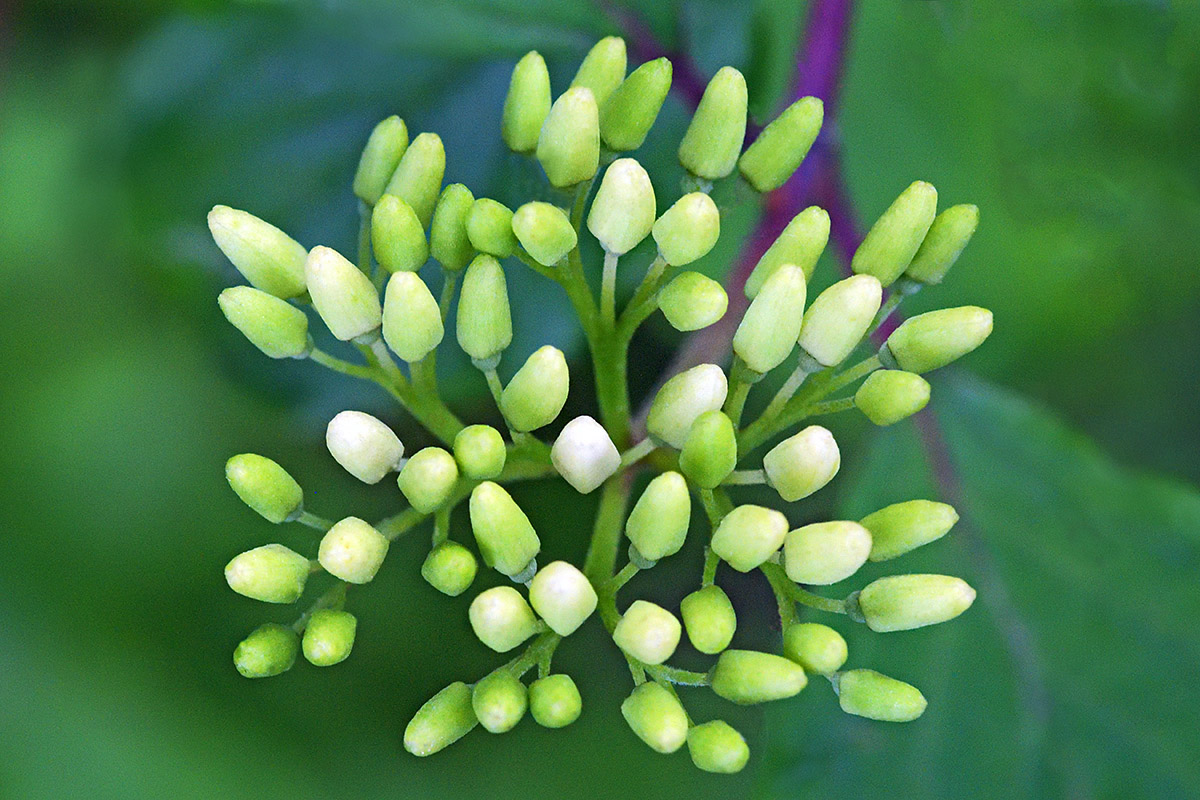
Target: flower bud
(943, 244)
(271, 573)
(412, 319)
(928, 341)
(803, 463)
(418, 177)
(825, 552)
(647, 632)
(893, 240)
(363, 445)
(526, 104)
(709, 452)
(267, 257)
(264, 486)
(584, 454)
(623, 210)
(328, 637)
(818, 648)
(504, 534)
(397, 236)
(448, 240)
(352, 550)
(630, 111)
(890, 395)
(385, 146)
(443, 720)
(904, 602)
(603, 68)
(450, 568)
(274, 326)
(901, 527)
(839, 318)
(658, 524)
(489, 227)
(568, 147)
(342, 295)
(709, 619)
(268, 651)
(554, 701)
(866, 693)
(428, 478)
(562, 596)
(713, 141)
(771, 326)
(537, 393)
(746, 677)
(480, 452)
(717, 747)
(501, 618)
(499, 701)
(545, 232)
(692, 301)
(800, 244)
(782, 145)
(687, 230)
(484, 319)
(682, 399)
(656, 716)
(749, 535)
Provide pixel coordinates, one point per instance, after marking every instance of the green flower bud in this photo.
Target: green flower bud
(687, 230)
(450, 568)
(267, 257)
(537, 393)
(480, 452)
(904, 602)
(928, 341)
(782, 145)
(901, 527)
(717, 747)
(818, 648)
(264, 486)
(603, 68)
(866, 693)
(746, 677)
(499, 701)
(943, 244)
(568, 147)
(352, 550)
(363, 445)
(713, 141)
(630, 111)
(693, 301)
(268, 651)
(501, 618)
(893, 240)
(274, 326)
(527, 103)
(554, 701)
(826, 552)
(562, 596)
(418, 178)
(397, 236)
(545, 232)
(329, 637)
(890, 395)
(800, 244)
(443, 720)
(682, 399)
(271, 573)
(749, 535)
(412, 319)
(584, 454)
(342, 295)
(838, 319)
(709, 453)
(658, 524)
(504, 534)
(484, 319)
(803, 463)
(647, 632)
(428, 479)
(709, 619)
(489, 227)
(448, 240)
(656, 716)
(771, 326)
(381, 156)
(623, 210)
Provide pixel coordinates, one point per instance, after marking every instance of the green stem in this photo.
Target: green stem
(449, 283)
(780, 585)
(608, 291)
(781, 398)
(621, 578)
(680, 677)
(709, 575)
(313, 521)
(541, 269)
(778, 578)
(831, 407)
(746, 477)
(649, 285)
(345, 367)
(636, 453)
(738, 391)
(333, 597)
(606, 533)
(441, 525)
(364, 238)
(534, 653)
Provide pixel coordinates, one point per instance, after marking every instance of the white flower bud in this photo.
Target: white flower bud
(584, 454)
(363, 445)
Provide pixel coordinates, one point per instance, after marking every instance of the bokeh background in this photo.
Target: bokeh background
(1070, 442)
